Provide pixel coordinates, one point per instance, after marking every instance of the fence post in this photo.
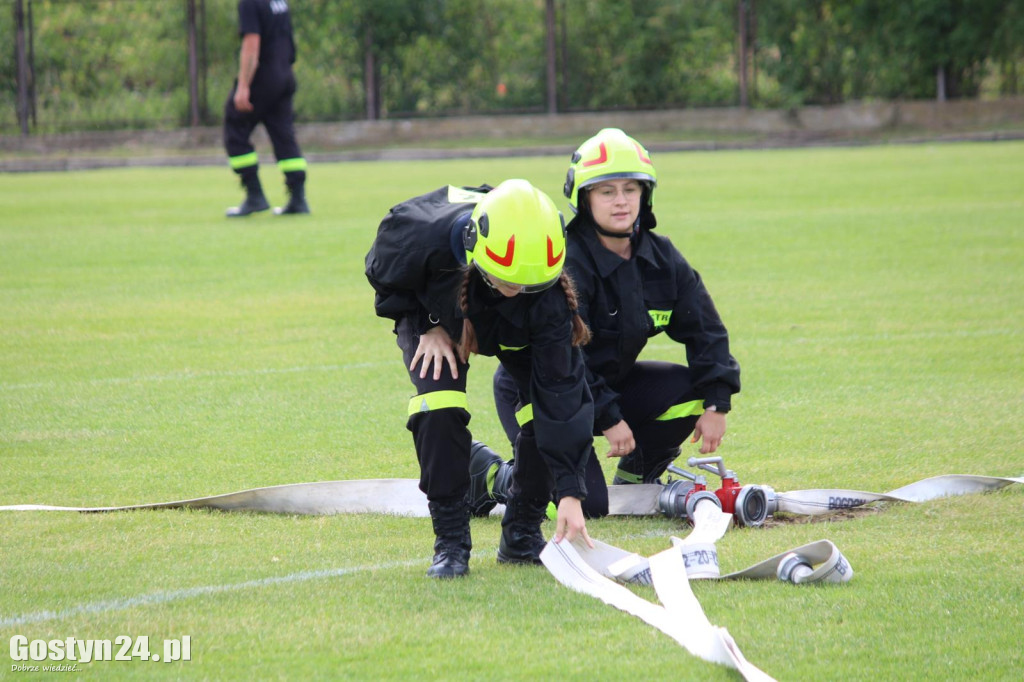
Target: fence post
(21, 55)
(563, 94)
(370, 75)
(549, 30)
(741, 51)
(193, 64)
(204, 67)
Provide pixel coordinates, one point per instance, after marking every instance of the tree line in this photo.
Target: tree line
(115, 63)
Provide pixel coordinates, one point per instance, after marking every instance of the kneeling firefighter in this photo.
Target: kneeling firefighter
(632, 285)
(473, 270)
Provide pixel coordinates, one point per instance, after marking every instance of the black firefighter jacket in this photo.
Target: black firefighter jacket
(411, 265)
(531, 334)
(627, 302)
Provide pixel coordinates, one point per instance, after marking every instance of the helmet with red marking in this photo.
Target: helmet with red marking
(609, 155)
(516, 236)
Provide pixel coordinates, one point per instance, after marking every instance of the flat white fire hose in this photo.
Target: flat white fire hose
(595, 571)
(679, 616)
(825, 500)
(403, 497)
(598, 571)
(400, 496)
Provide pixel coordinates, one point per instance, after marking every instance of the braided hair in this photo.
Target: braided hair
(580, 331)
(468, 343)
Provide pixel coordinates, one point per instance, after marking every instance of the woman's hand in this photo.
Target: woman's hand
(620, 440)
(711, 428)
(570, 522)
(435, 347)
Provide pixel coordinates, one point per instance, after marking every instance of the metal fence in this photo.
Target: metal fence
(115, 64)
(102, 64)
(77, 65)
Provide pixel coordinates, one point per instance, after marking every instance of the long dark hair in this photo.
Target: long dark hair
(468, 344)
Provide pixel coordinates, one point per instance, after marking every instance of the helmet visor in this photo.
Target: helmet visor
(643, 177)
(500, 286)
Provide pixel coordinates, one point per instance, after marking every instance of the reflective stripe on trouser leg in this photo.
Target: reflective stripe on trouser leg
(438, 400)
(647, 463)
(294, 172)
(247, 167)
(292, 165)
(693, 408)
(439, 422)
(442, 439)
(243, 161)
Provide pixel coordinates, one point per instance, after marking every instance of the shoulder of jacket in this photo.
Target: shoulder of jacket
(578, 249)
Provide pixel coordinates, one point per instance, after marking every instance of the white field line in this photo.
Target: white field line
(157, 598)
(189, 375)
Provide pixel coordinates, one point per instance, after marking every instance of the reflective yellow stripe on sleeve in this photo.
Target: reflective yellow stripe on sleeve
(525, 414)
(438, 400)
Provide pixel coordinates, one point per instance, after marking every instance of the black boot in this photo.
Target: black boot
(642, 466)
(630, 469)
(489, 479)
(453, 543)
(521, 538)
(252, 204)
(656, 463)
(296, 202)
(254, 199)
(502, 481)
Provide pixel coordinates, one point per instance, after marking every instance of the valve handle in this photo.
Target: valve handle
(705, 464)
(673, 469)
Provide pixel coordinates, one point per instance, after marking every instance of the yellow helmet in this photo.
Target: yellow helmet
(609, 155)
(516, 235)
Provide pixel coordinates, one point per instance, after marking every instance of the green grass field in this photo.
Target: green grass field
(151, 350)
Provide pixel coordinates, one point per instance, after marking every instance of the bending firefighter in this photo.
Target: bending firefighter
(263, 93)
(476, 270)
(632, 285)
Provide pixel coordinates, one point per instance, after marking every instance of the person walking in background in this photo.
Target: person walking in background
(633, 284)
(480, 270)
(263, 93)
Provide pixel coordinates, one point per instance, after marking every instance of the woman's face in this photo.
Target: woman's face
(615, 204)
(506, 289)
